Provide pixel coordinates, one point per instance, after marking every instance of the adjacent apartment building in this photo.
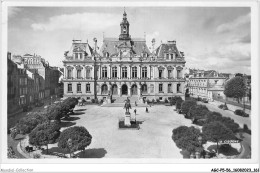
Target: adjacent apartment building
(206, 84)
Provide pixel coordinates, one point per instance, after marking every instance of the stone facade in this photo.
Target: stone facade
(206, 84)
(124, 66)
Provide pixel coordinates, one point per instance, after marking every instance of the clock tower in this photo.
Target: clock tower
(124, 28)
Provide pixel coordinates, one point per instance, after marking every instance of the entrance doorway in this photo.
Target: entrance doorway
(114, 89)
(124, 89)
(134, 90)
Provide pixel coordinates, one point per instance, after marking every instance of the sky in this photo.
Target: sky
(212, 38)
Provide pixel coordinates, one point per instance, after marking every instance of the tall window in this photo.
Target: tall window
(124, 72)
(76, 55)
(144, 72)
(78, 74)
(169, 73)
(160, 87)
(69, 73)
(104, 71)
(178, 73)
(88, 73)
(134, 72)
(169, 88)
(172, 56)
(87, 87)
(114, 71)
(178, 88)
(78, 87)
(80, 55)
(69, 87)
(160, 73)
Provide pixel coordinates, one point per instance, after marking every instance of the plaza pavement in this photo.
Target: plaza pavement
(152, 140)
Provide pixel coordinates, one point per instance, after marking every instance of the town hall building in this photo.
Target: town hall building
(124, 67)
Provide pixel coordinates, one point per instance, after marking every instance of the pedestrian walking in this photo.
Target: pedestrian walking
(146, 110)
(135, 111)
(135, 103)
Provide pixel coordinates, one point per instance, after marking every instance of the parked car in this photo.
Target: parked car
(27, 108)
(204, 100)
(39, 104)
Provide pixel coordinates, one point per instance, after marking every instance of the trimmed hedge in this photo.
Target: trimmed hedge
(198, 112)
(187, 138)
(228, 122)
(79, 136)
(30, 121)
(186, 105)
(44, 134)
(178, 104)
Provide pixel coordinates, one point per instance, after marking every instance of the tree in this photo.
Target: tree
(216, 132)
(178, 104)
(228, 122)
(179, 132)
(44, 134)
(235, 87)
(174, 99)
(198, 112)
(55, 112)
(186, 105)
(30, 121)
(187, 138)
(74, 138)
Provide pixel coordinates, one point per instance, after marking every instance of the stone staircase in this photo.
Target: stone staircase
(120, 102)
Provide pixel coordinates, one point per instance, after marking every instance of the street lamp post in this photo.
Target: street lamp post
(95, 71)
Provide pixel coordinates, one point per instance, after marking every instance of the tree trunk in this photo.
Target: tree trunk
(237, 100)
(47, 148)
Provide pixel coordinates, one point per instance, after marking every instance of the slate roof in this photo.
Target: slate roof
(80, 47)
(167, 48)
(113, 46)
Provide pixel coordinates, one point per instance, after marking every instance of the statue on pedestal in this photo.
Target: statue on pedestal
(127, 106)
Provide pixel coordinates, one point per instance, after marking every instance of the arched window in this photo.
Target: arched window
(69, 73)
(144, 89)
(88, 73)
(104, 89)
(78, 73)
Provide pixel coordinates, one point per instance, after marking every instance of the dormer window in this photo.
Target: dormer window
(167, 56)
(144, 55)
(107, 54)
(172, 56)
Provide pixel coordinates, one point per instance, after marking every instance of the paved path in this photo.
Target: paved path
(227, 113)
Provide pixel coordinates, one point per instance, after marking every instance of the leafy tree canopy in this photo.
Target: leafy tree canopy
(235, 87)
(79, 136)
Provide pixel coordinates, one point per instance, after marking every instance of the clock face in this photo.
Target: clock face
(124, 29)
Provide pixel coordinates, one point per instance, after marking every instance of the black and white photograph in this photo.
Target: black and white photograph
(130, 83)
